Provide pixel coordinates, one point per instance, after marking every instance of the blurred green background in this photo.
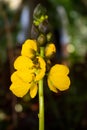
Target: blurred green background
(65, 110)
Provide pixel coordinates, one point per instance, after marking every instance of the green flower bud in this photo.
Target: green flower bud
(41, 40)
(34, 32)
(49, 37)
(44, 27)
(39, 11)
(36, 23)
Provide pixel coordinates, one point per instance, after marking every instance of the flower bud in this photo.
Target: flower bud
(49, 37)
(50, 50)
(29, 48)
(34, 32)
(39, 11)
(44, 27)
(41, 40)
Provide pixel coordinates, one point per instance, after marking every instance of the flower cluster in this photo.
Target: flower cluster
(35, 61)
(31, 67)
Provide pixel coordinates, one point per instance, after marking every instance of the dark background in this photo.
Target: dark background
(65, 110)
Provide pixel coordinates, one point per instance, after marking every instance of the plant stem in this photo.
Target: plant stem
(41, 98)
(41, 106)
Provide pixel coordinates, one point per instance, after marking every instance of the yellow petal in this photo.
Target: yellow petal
(50, 50)
(40, 74)
(23, 63)
(24, 75)
(59, 70)
(60, 82)
(28, 48)
(41, 62)
(41, 70)
(33, 90)
(20, 88)
(58, 77)
(51, 87)
(14, 77)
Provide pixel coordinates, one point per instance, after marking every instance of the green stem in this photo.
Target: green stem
(42, 51)
(41, 106)
(41, 98)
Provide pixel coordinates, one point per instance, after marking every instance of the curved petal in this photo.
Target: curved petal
(29, 48)
(51, 86)
(26, 76)
(40, 72)
(61, 82)
(33, 90)
(50, 50)
(23, 63)
(41, 62)
(14, 77)
(20, 88)
(59, 70)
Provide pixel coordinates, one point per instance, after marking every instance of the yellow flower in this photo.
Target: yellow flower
(23, 63)
(40, 71)
(58, 78)
(22, 85)
(50, 50)
(29, 48)
(27, 75)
